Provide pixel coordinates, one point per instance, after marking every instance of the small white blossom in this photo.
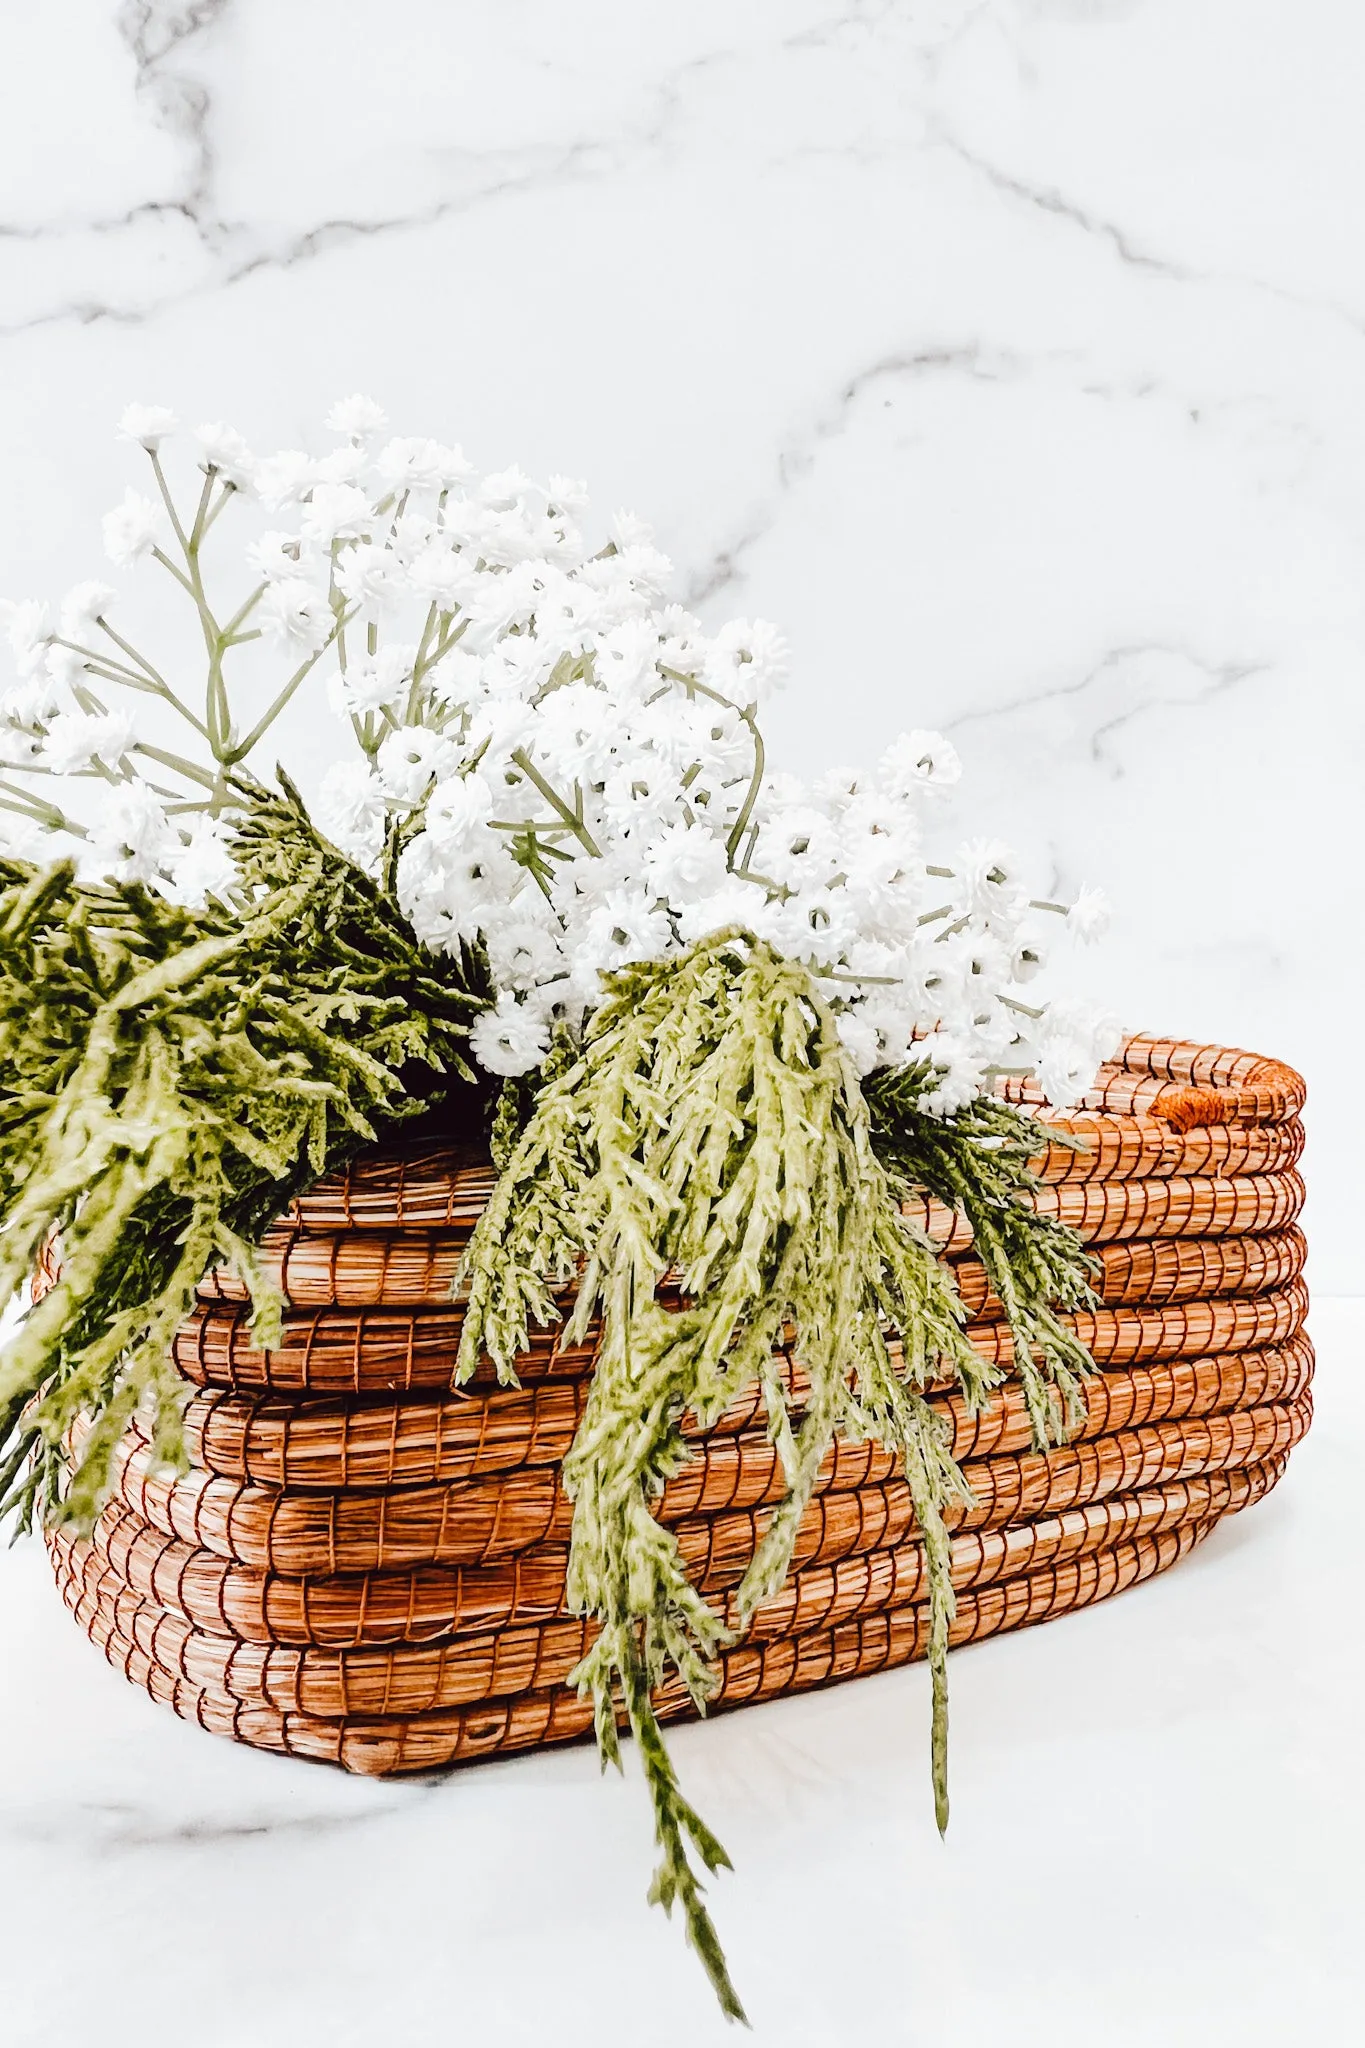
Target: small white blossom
(367, 576)
(336, 512)
(28, 631)
(82, 608)
(131, 528)
(148, 425)
(1088, 916)
(131, 835)
(626, 924)
(275, 556)
(920, 760)
(76, 740)
(506, 490)
(1084, 1024)
(685, 865)
(373, 684)
(17, 748)
(407, 761)
(226, 452)
(509, 1039)
(34, 699)
(65, 666)
(202, 866)
(441, 575)
(350, 809)
(459, 808)
(346, 464)
(294, 613)
(748, 660)
(417, 465)
(357, 415)
(285, 479)
(522, 954)
(858, 1035)
(1065, 1070)
(988, 887)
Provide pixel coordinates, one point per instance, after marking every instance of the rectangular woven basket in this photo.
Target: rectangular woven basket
(366, 1566)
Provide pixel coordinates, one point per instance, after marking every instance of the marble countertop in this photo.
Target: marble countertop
(1157, 1812)
(1011, 355)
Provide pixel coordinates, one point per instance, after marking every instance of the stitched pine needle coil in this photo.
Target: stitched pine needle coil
(366, 1565)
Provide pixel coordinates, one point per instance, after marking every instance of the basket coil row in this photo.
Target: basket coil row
(367, 1567)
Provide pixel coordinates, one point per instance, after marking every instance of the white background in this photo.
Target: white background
(1011, 355)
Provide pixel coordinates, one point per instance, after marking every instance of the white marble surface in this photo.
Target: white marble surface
(1011, 353)
(1157, 1813)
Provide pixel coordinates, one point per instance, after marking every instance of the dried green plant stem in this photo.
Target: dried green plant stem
(174, 1077)
(713, 1131)
(977, 1162)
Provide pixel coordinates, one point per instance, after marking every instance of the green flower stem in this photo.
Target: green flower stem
(573, 819)
(169, 502)
(189, 769)
(26, 804)
(231, 635)
(747, 715)
(239, 752)
(191, 546)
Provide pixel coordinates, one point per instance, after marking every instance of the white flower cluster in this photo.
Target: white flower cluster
(553, 761)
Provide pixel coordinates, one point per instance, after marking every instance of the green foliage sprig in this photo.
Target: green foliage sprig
(173, 1079)
(705, 1166)
(977, 1161)
(713, 1129)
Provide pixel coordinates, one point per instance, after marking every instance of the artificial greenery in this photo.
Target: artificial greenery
(705, 1166)
(977, 1162)
(713, 1130)
(172, 1079)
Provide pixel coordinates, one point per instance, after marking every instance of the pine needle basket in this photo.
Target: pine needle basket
(366, 1567)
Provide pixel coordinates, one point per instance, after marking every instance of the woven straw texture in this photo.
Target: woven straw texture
(367, 1567)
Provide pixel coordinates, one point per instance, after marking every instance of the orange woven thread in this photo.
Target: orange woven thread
(385, 1351)
(396, 1743)
(211, 1598)
(369, 1269)
(1152, 1071)
(418, 1185)
(1149, 1148)
(727, 1488)
(332, 1444)
(461, 1671)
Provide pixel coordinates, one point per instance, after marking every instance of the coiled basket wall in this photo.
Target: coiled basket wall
(367, 1567)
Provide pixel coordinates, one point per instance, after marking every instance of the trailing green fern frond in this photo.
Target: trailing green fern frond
(172, 1079)
(713, 1129)
(977, 1161)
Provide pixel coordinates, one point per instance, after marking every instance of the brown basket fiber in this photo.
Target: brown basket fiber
(373, 1353)
(226, 1599)
(417, 1269)
(332, 1445)
(479, 1520)
(367, 1566)
(458, 1671)
(389, 1743)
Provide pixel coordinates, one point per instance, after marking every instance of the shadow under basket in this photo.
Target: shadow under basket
(366, 1567)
